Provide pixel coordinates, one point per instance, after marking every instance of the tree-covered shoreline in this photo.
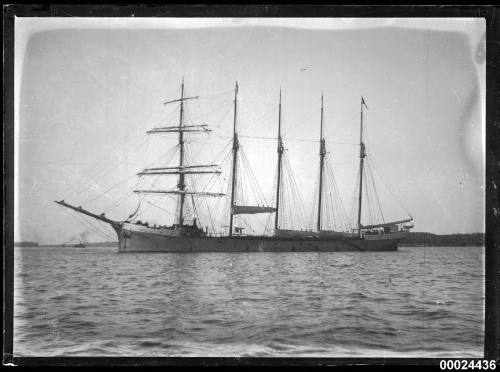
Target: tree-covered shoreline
(449, 240)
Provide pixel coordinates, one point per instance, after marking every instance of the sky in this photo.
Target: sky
(88, 89)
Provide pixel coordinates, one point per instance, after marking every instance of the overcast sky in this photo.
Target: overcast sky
(88, 89)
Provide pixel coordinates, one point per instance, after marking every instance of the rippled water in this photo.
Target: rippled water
(96, 302)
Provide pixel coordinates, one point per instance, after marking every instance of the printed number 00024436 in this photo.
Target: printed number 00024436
(467, 364)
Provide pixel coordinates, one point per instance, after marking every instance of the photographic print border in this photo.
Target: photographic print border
(492, 182)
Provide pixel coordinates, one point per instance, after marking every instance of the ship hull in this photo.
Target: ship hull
(149, 241)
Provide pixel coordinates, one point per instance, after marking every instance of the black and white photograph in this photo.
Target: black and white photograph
(249, 187)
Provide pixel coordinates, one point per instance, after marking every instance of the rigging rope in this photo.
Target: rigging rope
(80, 218)
(374, 188)
(297, 139)
(336, 204)
(99, 169)
(391, 190)
(295, 199)
(314, 209)
(106, 171)
(260, 198)
(354, 203)
(109, 189)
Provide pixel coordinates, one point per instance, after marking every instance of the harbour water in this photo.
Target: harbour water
(416, 302)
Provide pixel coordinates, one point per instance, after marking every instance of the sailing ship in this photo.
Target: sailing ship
(190, 236)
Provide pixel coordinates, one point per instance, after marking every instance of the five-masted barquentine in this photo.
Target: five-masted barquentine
(184, 236)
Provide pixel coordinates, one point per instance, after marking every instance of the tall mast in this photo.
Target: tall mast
(362, 155)
(182, 169)
(322, 153)
(280, 155)
(181, 184)
(236, 146)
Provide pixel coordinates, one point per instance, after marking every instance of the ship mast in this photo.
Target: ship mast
(362, 155)
(280, 155)
(181, 184)
(322, 153)
(235, 160)
(182, 169)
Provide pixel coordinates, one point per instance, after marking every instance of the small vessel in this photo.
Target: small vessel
(72, 244)
(79, 245)
(186, 235)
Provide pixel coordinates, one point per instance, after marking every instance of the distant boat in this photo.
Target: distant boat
(79, 245)
(188, 236)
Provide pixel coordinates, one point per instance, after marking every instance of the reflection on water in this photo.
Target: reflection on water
(97, 302)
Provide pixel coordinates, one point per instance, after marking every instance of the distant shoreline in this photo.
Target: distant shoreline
(415, 239)
(98, 244)
(425, 239)
(26, 244)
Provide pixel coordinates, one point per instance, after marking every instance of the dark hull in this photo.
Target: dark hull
(144, 241)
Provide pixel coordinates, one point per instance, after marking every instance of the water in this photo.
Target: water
(96, 302)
